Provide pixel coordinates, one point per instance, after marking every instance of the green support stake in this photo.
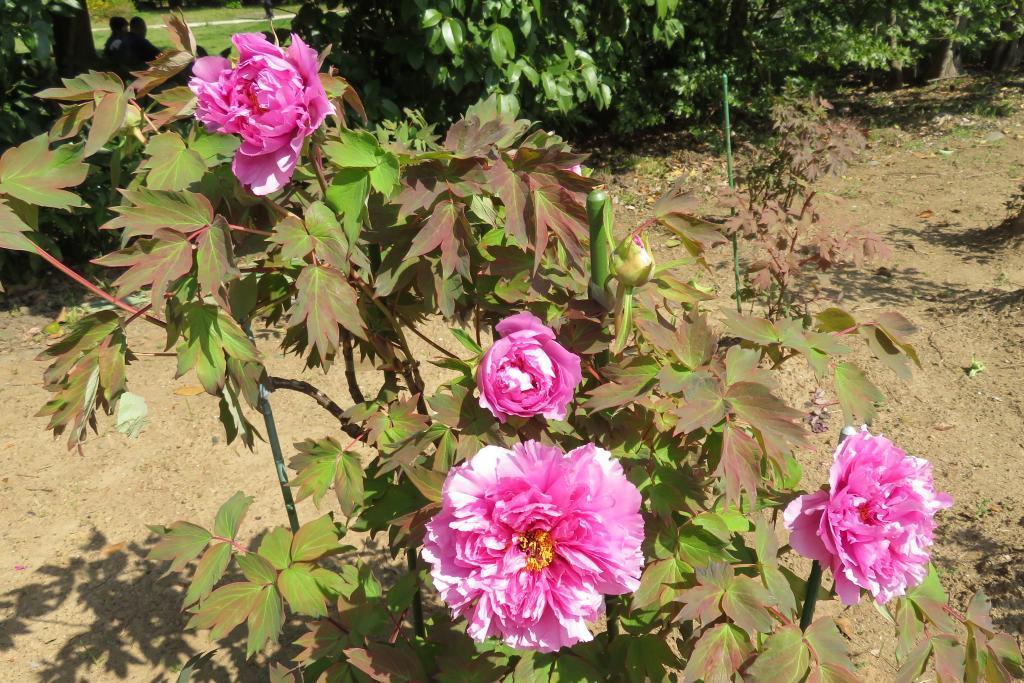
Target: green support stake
(599, 215)
(275, 444)
(732, 184)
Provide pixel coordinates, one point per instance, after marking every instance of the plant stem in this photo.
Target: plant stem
(417, 602)
(303, 387)
(350, 369)
(124, 306)
(732, 184)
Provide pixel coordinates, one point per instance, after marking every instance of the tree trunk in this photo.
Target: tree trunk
(896, 78)
(945, 58)
(1006, 54)
(73, 49)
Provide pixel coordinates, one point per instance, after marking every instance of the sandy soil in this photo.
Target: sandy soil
(79, 601)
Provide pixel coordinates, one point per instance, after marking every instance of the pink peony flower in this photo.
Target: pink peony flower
(529, 540)
(874, 525)
(272, 99)
(576, 168)
(527, 372)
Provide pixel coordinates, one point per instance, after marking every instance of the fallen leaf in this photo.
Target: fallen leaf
(845, 627)
(189, 391)
(927, 213)
(943, 427)
(113, 548)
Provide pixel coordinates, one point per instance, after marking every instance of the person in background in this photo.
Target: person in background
(144, 51)
(268, 9)
(113, 49)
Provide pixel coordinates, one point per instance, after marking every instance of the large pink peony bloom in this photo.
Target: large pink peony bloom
(527, 372)
(272, 99)
(529, 540)
(874, 525)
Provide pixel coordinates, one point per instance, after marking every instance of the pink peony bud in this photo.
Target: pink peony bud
(874, 525)
(632, 263)
(527, 372)
(272, 99)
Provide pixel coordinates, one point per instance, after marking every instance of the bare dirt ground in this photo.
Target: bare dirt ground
(79, 601)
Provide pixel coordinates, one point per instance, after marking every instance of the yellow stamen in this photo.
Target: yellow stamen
(539, 548)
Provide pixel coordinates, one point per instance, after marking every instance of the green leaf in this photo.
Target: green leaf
(256, 568)
(265, 620)
(302, 591)
(171, 166)
(12, 231)
(931, 599)
(157, 262)
(427, 481)
(835, 320)
(150, 210)
(106, 121)
(132, 414)
(327, 236)
(215, 149)
(356, 149)
(659, 583)
(325, 303)
(210, 334)
(384, 176)
(323, 463)
(451, 33)
(314, 540)
(777, 422)
(347, 195)
(757, 330)
(225, 608)
(703, 406)
(745, 602)
(915, 662)
(209, 571)
(857, 395)
(696, 342)
(180, 543)
(215, 260)
(699, 548)
(828, 644)
(739, 466)
(230, 515)
(276, 548)
(431, 18)
(784, 659)
(717, 655)
(463, 338)
(34, 174)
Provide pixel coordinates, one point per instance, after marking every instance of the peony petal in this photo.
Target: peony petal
(210, 68)
(524, 322)
(803, 519)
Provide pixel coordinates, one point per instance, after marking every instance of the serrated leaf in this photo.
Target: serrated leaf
(768, 414)
(256, 568)
(180, 543)
(83, 87)
(151, 210)
(513, 195)
(703, 405)
(783, 660)
(171, 165)
(348, 483)
(659, 584)
(745, 601)
(835, 320)
(857, 395)
(230, 515)
(276, 547)
(314, 540)
(751, 328)
(209, 571)
(556, 211)
(325, 303)
(13, 230)
(427, 481)
(226, 608)
(165, 66)
(444, 228)
(265, 620)
(215, 261)
(828, 644)
(301, 591)
(107, 120)
(347, 195)
(739, 465)
(210, 335)
(156, 262)
(717, 655)
(36, 175)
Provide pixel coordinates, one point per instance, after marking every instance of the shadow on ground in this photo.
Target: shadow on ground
(121, 619)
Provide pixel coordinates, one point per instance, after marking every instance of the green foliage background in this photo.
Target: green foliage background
(629, 64)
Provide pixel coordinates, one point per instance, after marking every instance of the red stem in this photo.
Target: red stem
(96, 290)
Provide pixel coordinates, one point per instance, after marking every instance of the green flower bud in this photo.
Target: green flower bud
(132, 117)
(632, 263)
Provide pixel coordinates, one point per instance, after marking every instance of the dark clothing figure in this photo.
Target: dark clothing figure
(114, 46)
(144, 51)
(268, 8)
